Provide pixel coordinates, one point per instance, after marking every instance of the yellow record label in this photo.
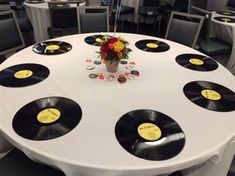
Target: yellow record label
(211, 94)
(22, 74)
(149, 131)
(98, 40)
(226, 19)
(59, 5)
(48, 115)
(152, 45)
(226, 13)
(196, 61)
(52, 47)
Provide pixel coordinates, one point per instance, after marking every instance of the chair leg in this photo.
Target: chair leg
(138, 24)
(122, 20)
(133, 19)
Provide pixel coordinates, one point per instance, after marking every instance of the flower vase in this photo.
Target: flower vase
(112, 66)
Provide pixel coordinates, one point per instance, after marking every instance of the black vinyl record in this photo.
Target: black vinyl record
(152, 45)
(225, 19)
(226, 13)
(150, 135)
(94, 40)
(34, 1)
(196, 62)
(47, 118)
(52, 47)
(210, 95)
(23, 75)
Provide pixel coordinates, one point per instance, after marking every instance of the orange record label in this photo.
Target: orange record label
(149, 131)
(52, 47)
(152, 45)
(48, 115)
(211, 94)
(196, 61)
(22, 74)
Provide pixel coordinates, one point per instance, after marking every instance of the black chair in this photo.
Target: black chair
(93, 19)
(4, 5)
(231, 4)
(124, 11)
(213, 47)
(25, 25)
(184, 28)
(10, 34)
(16, 163)
(63, 18)
(150, 9)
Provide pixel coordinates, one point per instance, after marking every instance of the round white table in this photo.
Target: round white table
(226, 32)
(91, 148)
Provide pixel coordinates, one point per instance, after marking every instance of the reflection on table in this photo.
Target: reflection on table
(175, 109)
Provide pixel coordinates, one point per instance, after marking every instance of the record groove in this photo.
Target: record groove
(196, 62)
(94, 40)
(211, 96)
(47, 118)
(23, 75)
(226, 13)
(149, 135)
(152, 45)
(225, 19)
(52, 48)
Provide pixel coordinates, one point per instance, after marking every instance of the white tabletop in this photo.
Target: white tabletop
(92, 148)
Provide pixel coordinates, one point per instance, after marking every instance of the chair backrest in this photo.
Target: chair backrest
(184, 28)
(63, 15)
(93, 19)
(206, 27)
(10, 34)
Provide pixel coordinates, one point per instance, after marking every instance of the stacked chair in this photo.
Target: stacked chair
(150, 9)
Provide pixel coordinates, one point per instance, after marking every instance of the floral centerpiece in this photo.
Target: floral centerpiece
(112, 50)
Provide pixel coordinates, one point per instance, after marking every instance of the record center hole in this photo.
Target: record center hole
(22, 74)
(149, 131)
(196, 61)
(211, 94)
(52, 47)
(152, 45)
(48, 115)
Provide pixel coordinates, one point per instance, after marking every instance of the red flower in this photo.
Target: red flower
(104, 55)
(112, 40)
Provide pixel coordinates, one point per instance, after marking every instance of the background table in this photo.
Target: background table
(40, 19)
(91, 148)
(226, 32)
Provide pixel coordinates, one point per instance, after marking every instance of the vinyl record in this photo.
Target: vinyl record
(94, 40)
(210, 95)
(52, 47)
(196, 62)
(34, 1)
(150, 135)
(152, 45)
(23, 75)
(225, 19)
(226, 13)
(47, 118)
